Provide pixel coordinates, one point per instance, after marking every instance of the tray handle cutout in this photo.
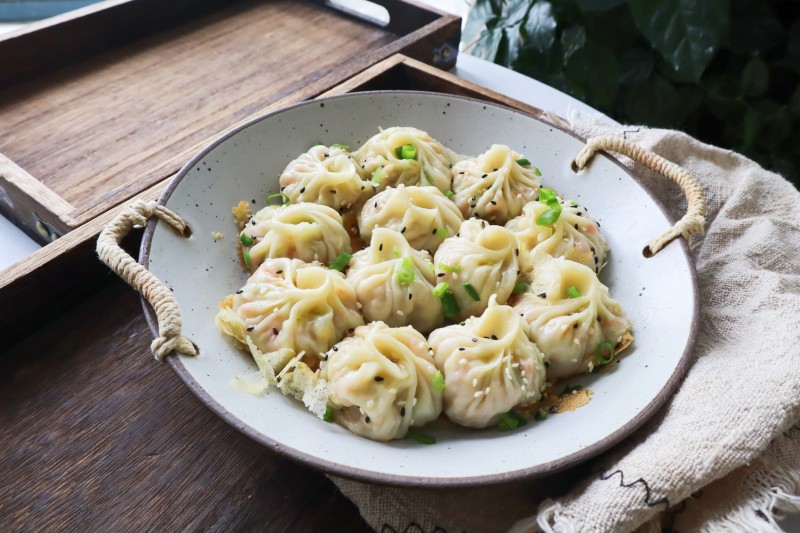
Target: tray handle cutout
(691, 223)
(163, 302)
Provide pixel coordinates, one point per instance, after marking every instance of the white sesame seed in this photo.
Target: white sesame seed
(370, 403)
(358, 305)
(462, 361)
(478, 394)
(522, 372)
(414, 402)
(475, 382)
(525, 381)
(401, 403)
(576, 341)
(515, 365)
(488, 390)
(400, 313)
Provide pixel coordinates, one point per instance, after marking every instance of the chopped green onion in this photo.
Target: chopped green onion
(573, 292)
(328, 416)
(541, 414)
(537, 171)
(377, 176)
(420, 437)
(425, 175)
(574, 204)
(285, 199)
(450, 194)
(245, 239)
(438, 381)
(548, 197)
(395, 251)
(341, 261)
(317, 144)
(341, 147)
(430, 266)
(246, 256)
(549, 217)
(405, 272)
(440, 289)
(511, 420)
(450, 307)
(472, 292)
(407, 151)
(599, 353)
(523, 162)
(570, 390)
(520, 286)
(448, 268)
(443, 233)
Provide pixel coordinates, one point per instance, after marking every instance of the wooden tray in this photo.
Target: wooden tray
(100, 437)
(102, 103)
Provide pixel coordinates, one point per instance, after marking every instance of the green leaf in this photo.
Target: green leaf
(754, 28)
(750, 127)
(687, 33)
(656, 102)
(595, 69)
(539, 29)
(635, 66)
(591, 6)
(487, 44)
(755, 77)
(483, 13)
(572, 40)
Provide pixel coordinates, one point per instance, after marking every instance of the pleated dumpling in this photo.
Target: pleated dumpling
(574, 235)
(489, 366)
(407, 156)
(479, 261)
(572, 317)
(381, 382)
(423, 215)
(394, 283)
(291, 305)
(306, 231)
(325, 175)
(495, 185)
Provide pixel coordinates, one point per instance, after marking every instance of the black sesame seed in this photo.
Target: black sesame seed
(461, 173)
(327, 155)
(362, 187)
(403, 230)
(473, 206)
(440, 275)
(474, 339)
(253, 221)
(410, 295)
(547, 364)
(380, 248)
(335, 349)
(376, 205)
(279, 272)
(333, 191)
(240, 291)
(516, 252)
(403, 411)
(595, 260)
(302, 190)
(461, 349)
(575, 325)
(599, 319)
(433, 232)
(592, 248)
(251, 328)
(351, 330)
(543, 295)
(283, 187)
(494, 337)
(484, 175)
(493, 202)
(366, 419)
(576, 226)
(379, 378)
(325, 357)
(275, 331)
(495, 170)
(579, 214)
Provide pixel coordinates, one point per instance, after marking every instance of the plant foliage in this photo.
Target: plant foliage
(725, 71)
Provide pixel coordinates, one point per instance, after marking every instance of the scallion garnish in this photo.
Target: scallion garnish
(541, 414)
(470, 289)
(450, 307)
(246, 239)
(448, 268)
(438, 381)
(523, 162)
(420, 437)
(520, 286)
(328, 416)
(548, 197)
(443, 233)
(537, 171)
(511, 420)
(573, 292)
(450, 194)
(395, 251)
(407, 151)
(341, 147)
(341, 261)
(405, 272)
(549, 217)
(599, 353)
(246, 256)
(316, 144)
(285, 200)
(440, 289)
(377, 176)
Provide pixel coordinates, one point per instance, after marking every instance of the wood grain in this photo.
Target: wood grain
(98, 436)
(97, 132)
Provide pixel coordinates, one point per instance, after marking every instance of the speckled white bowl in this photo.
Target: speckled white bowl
(658, 294)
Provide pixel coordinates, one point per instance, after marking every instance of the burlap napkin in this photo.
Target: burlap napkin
(724, 454)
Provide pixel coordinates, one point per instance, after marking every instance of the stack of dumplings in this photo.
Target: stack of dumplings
(400, 281)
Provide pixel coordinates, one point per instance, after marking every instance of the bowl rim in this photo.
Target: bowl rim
(372, 476)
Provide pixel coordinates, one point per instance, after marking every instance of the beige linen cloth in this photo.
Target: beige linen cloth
(724, 453)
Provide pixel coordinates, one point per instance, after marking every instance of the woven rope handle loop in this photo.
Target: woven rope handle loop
(137, 276)
(692, 222)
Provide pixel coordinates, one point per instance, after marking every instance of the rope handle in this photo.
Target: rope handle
(136, 214)
(692, 222)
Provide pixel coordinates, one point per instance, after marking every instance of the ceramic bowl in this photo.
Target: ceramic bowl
(659, 294)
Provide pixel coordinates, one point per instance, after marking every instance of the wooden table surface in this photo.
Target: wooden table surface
(98, 436)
